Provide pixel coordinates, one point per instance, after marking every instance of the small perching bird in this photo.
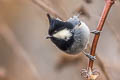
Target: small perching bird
(70, 36)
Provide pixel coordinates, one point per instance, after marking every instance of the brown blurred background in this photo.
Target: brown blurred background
(25, 54)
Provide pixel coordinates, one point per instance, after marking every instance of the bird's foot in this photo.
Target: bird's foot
(95, 32)
(90, 56)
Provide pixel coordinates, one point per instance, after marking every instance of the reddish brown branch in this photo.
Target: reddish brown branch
(90, 73)
(107, 7)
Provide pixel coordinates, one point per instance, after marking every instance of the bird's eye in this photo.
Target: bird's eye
(65, 39)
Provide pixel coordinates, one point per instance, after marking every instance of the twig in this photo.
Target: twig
(107, 7)
(99, 28)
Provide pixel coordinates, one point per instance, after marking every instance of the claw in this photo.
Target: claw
(95, 32)
(89, 56)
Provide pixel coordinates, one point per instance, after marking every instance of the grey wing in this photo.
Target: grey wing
(74, 20)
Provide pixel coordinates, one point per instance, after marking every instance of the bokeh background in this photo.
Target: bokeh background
(25, 54)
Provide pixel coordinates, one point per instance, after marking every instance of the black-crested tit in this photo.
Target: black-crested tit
(70, 36)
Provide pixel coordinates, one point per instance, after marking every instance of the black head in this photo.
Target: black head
(56, 25)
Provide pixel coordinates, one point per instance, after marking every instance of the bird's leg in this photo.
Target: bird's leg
(95, 32)
(89, 56)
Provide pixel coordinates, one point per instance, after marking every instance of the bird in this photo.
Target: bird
(70, 36)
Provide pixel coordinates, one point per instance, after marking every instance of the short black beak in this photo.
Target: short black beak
(48, 37)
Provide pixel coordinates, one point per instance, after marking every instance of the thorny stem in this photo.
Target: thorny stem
(107, 7)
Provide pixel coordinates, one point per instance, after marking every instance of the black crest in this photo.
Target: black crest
(56, 25)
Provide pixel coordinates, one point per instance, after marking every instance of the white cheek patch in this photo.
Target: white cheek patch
(63, 34)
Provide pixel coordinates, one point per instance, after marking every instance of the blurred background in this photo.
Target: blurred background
(25, 54)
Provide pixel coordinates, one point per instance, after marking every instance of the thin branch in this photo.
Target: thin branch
(107, 7)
